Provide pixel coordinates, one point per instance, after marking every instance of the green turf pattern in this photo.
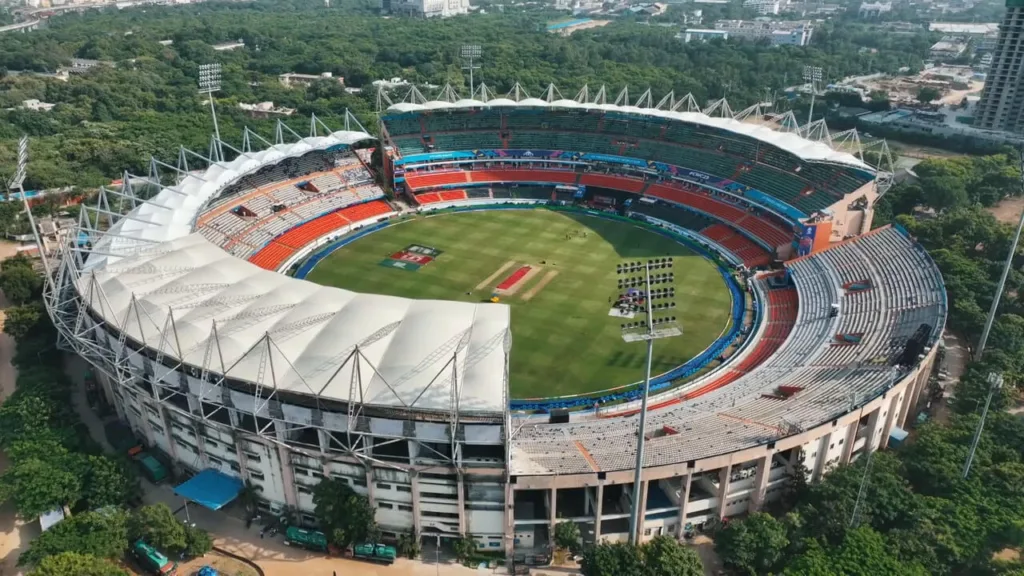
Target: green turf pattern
(563, 341)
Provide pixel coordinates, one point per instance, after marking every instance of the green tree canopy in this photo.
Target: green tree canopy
(68, 563)
(345, 516)
(157, 525)
(101, 534)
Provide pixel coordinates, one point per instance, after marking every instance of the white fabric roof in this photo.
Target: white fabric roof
(172, 293)
(801, 147)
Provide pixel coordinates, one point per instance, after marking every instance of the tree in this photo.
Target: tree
(408, 544)
(37, 486)
(100, 534)
(77, 564)
(22, 320)
(665, 556)
(197, 542)
(754, 545)
(20, 284)
(464, 548)
(618, 559)
(345, 516)
(157, 525)
(567, 536)
(928, 94)
(108, 482)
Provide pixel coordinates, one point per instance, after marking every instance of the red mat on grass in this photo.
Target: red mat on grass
(515, 277)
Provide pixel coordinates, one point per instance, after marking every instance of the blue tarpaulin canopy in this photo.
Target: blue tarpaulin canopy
(210, 488)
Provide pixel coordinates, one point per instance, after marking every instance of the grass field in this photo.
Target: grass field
(563, 340)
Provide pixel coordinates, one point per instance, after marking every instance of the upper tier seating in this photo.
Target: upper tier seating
(808, 186)
(906, 292)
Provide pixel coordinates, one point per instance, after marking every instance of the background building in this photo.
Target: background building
(1002, 106)
(793, 33)
(425, 8)
(763, 7)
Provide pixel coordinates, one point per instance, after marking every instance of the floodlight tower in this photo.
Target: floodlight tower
(209, 82)
(812, 75)
(469, 52)
(636, 291)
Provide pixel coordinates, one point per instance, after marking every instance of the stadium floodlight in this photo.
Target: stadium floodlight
(469, 52)
(812, 75)
(636, 292)
(209, 82)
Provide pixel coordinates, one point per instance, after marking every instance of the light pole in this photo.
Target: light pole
(469, 52)
(635, 292)
(995, 380)
(209, 82)
(812, 74)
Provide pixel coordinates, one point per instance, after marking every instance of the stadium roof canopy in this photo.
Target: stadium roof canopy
(171, 290)
(804, 148)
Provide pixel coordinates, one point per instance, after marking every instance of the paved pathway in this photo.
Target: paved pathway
(14, 532)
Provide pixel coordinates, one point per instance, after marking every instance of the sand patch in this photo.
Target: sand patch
(522, 282)
(540, 285)
(490, 279)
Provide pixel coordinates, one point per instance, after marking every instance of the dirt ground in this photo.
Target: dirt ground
(223, 564)
(706, 550)
(1008, 210)
(14, 533)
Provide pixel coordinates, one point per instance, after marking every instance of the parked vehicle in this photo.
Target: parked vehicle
(308, 539)
(152, 560)
(379, 553)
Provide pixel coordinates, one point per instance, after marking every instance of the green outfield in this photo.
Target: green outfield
(563, 339)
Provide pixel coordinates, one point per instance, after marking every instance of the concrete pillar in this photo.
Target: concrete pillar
(764, 466)
(821, 457)
(291, 498)
(872, 426)
(890, 408)
(462, 506)
(723, 489)
(552, 516)
(510, 521)
(165, 417)
(598, 507)
(851, 439)
(370, 486)
(641, 493)
(416, 525)
(684, 502)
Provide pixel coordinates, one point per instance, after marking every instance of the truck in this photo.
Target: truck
(151, 468)
(379, 553)
(308, 539)
(152, 560)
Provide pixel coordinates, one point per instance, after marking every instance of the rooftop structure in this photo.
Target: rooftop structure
(290, 79)
(793, 33)
(763, 7)
(874, 9)
(701, 35)
(426, 8)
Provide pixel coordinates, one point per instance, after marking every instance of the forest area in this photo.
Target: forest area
(113, 118)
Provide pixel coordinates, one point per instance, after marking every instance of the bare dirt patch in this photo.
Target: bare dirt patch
(515, 288)
(540, 285)
(497, 273)
(1008, 210)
